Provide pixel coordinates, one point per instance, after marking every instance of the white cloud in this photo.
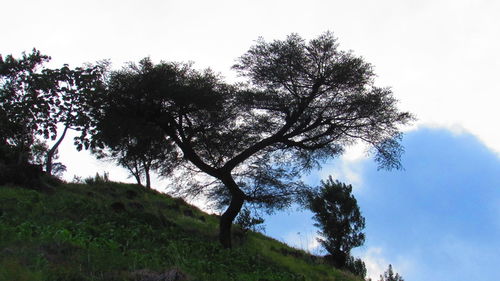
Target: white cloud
(377, 263)
(348, 167)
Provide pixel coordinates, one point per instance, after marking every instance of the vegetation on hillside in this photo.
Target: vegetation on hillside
(101, 230)
(389, 275)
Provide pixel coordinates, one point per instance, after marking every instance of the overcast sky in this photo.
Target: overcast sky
(440, 57)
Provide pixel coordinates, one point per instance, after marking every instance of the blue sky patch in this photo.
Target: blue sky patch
(438, 219)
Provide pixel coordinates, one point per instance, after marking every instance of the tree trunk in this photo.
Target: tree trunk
(21, 157)
(226, 220)
(134, 170)
(148, 178)
(52, 151)
(22, 154)
(137, 178)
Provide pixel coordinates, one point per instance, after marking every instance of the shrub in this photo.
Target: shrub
(248, 222)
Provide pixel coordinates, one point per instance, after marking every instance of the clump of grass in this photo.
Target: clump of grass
(11, 269)
(97, 179)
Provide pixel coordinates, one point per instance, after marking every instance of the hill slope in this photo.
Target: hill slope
(114, 231)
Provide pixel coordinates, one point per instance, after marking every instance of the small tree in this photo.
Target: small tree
(247, 221)
(356, 266)
(137, 147)
(69, 110)
(389, 275)
(339, 219)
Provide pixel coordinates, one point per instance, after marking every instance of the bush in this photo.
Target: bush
(26, 175)
(356, 266)
(248, 222)
(97, 179)
(389, 275)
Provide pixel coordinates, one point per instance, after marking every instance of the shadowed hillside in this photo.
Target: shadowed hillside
(112, 231)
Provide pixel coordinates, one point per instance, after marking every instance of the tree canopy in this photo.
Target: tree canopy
(34, 101)
(303, 103)
(138, 147)
(24, 104)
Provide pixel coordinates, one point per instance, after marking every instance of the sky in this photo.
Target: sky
(436, 220)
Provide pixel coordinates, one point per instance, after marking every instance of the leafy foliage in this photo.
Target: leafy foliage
(339, 219)
(247, 221)
(356, 266)
(68, 104)
(38, 157)
(24, 104)
(139, 146)
(325, 96)
(34, 100)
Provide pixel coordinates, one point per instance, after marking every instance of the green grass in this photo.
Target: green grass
(111, 231)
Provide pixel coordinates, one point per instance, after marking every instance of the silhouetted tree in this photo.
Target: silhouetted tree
(248, 221)
(356, 266)
(339, 219)
(389, 275)
(24, 117)
(304, 103)
(24, 104)
(34, 100)
(137, 147)
(69, 109)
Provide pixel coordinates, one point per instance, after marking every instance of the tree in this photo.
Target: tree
(25, 118)
(356, 266)
(70, 88)
(339, 219)
(34, 100)
(389, 275)
(24, 106)
(137, 147)
(304, 103)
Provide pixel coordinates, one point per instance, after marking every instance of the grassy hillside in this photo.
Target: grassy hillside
(114, 231)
